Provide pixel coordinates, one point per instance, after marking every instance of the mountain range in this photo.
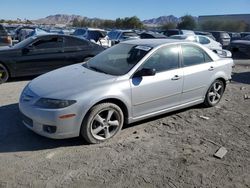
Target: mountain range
(68, 19)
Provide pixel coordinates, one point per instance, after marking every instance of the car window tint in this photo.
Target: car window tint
(193, 56)
(71, 41)
(163, 59)
(54, 42)
(203, 40)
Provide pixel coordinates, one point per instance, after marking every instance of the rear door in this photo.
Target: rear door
(163, 90)
(198, 68)
(43, 55)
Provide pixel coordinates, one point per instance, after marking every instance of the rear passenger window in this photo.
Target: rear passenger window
(73, 42)
(54, 42)
(166, 58)
(194, 56)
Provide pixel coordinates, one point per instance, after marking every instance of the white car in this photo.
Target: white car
(204, 40)
(128, 82)
(98, 36)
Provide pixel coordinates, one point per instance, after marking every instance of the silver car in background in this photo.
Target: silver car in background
(204, 40)
(131, 81)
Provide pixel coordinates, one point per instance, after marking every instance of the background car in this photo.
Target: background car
(205, 34)
(240, 48)
(118, 36)
(39, 54)
(234, 36)
(24, 32)
(222, 37)
(5, 38)
(98, 36)
(152, 35)
(170, 32)
(204, 40)
(128, 82)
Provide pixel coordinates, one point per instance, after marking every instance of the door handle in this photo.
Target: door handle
(176, 77)
(211, 68)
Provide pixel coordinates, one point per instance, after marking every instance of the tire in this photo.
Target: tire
(214, 93)
(4, 74)
(103, 122)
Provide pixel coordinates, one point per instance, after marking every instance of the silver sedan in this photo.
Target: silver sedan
(129, 82)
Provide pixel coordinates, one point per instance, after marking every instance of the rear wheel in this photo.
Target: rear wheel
(214, 93)
(4, 74)
(103, 122)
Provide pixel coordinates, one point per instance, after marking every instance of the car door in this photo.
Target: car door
(198, 69)
(152, 94)
(43, 55)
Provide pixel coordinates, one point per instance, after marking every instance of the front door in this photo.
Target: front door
(152, 94)
(43, 55)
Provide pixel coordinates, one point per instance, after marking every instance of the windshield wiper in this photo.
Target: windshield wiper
(97, 69)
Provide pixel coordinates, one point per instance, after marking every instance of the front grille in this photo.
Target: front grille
(27, 121)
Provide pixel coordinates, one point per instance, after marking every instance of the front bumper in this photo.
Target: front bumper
(37, 119)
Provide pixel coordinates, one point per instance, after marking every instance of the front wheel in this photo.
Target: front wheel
(214, 93)
(4, 74)
(103, 122)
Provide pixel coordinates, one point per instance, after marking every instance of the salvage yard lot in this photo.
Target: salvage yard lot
(172, 150)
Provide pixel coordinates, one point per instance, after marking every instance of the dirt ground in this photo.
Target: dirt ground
(173, 150)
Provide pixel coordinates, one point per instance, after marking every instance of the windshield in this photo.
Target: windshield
(117, 60)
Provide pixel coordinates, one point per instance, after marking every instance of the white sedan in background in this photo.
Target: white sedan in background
(204, 40)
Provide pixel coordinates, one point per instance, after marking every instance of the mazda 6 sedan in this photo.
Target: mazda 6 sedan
(128, 82)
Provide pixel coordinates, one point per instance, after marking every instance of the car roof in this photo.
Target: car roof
(151, 42)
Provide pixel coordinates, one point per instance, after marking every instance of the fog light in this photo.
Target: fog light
(49, 129)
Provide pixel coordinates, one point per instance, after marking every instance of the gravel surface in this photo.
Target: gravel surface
(172, 150)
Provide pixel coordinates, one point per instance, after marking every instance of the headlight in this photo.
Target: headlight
(54, 103)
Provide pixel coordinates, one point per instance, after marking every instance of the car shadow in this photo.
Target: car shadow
(243, 77)
(14, 136)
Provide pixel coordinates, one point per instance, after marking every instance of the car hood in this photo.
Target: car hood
(66, 82)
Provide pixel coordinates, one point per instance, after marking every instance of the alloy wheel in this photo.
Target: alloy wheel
(3, 74)
(105, 124)
(215, 92)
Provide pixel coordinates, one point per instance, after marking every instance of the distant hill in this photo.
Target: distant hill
(65, 19)
(162, 20)
(58, 19)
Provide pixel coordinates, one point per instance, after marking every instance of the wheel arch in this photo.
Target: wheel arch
(10, 74)
(119, 103)
(8, 69)
(223, 80)
(116, 101)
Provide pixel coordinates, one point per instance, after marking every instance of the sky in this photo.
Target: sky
(112, 9)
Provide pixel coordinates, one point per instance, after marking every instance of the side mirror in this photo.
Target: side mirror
(145, 72)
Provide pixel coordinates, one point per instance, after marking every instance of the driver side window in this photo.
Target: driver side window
(164, 59)
(54, 42)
